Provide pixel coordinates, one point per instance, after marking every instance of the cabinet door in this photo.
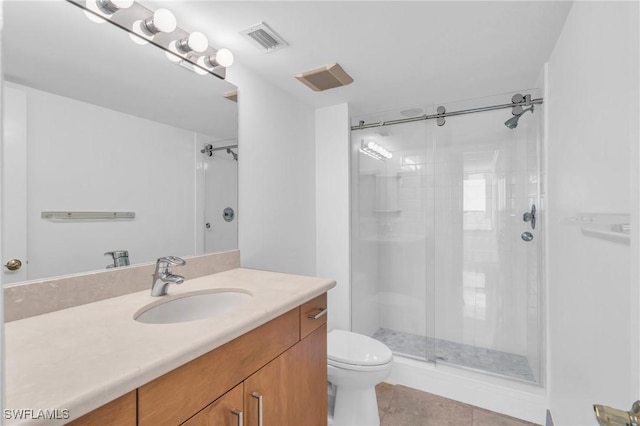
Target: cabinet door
(224, 411)
(292, 388)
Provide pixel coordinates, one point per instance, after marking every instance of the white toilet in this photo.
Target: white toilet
(355, 365)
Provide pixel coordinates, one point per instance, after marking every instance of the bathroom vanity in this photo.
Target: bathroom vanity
(264, 362)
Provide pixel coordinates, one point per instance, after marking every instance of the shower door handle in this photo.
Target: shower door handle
(530, 216)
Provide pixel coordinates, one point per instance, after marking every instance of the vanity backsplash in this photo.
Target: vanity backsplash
(39, 297)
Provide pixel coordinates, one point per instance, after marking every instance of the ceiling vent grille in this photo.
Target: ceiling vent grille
(264, 37)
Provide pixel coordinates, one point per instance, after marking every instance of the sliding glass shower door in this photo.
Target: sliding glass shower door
(445, 258)
(392, 221)
(487, 313)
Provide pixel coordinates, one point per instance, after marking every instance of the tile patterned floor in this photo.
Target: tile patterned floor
(498, 362)
(402, 406)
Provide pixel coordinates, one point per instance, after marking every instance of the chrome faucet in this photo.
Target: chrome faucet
(163, 276)
(608, 416)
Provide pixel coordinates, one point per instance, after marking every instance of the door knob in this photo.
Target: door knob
(13, 264)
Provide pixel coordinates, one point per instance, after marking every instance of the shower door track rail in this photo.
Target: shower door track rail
(362, 124)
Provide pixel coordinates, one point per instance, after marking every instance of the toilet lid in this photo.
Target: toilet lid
(356, 349)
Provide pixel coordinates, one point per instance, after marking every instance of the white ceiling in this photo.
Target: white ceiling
(400, 54)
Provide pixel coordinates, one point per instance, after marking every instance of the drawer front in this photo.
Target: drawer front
(313, 314)
(173, 398)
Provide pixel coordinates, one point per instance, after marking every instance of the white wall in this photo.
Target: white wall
(332, 208)
(593, 355)
(276, 177)
(87, 158)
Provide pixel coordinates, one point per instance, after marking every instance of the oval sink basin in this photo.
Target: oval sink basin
(192, 307)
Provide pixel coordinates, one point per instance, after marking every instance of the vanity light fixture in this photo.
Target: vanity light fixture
(222, 58)
(112, 6)
(159, 28)
(187, 49)
(100, 10)
(195, 42)
(162, 21)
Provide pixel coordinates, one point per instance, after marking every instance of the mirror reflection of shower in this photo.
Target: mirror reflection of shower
(235, 155)
(209, 150)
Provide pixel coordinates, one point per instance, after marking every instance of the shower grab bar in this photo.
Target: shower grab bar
(66, 215)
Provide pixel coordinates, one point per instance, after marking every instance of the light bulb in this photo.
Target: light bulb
(172, 55)
(137, 39)
(196, 42)
(138, 34)
(162, 20)
(224, 57)
(94, 18)
(199, 70)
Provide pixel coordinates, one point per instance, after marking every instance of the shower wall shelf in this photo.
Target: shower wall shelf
(87, 215)
(609, 226)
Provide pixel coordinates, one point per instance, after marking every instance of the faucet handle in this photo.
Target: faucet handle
(171, 261)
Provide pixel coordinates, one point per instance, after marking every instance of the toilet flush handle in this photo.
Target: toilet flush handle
(318, 314)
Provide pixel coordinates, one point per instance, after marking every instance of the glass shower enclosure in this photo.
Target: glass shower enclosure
(445, 263)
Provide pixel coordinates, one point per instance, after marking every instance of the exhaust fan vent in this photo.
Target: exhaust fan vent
(264, 37)
(324, 78)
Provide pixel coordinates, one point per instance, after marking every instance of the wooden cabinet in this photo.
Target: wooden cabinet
(313, 314)
(292, 388)
(281, 365)
(119, 412)
(173, 398)
(224, 411)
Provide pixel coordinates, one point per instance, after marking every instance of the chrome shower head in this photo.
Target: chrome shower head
(512, 123)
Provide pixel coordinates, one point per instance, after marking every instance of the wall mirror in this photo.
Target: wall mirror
(94, 123)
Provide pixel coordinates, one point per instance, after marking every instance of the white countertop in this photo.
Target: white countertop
(83, 357)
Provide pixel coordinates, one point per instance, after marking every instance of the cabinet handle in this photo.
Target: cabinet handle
(258, 396)
(318, 314)
(239, 414)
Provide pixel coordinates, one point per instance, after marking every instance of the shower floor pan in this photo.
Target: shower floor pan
(492, 361)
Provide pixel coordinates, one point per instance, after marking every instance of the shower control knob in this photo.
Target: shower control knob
(13, 264)
(526, 236)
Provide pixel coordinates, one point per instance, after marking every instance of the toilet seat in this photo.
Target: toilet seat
(357, 368)
(353, 351)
